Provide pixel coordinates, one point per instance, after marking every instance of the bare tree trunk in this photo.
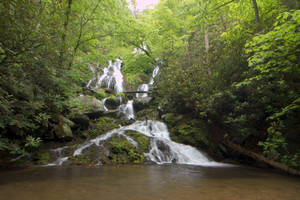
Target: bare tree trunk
(64, 35)
(206, 50)
(256, 14)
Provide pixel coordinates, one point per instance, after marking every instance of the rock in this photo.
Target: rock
(141, 103)
(112, 103)
(67, 121)
(64, 132)
(81, 120)
(60, 119)
(112, 113)
(86, 105)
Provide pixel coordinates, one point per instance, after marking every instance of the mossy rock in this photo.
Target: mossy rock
(91, 155)
(112, 102)
(64, 132)
(142, 140)
(99, 94)
(43, 158)
(106, 124)
(123, 151)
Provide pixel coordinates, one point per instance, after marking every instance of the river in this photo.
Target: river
(145, 182)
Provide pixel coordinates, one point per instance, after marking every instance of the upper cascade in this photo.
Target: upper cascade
(112, 77)
(146, 87)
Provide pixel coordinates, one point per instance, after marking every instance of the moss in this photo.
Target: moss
(120, 144)
(142, 140)
(123, 151)
(106, 124)
(80, 159)
(119, 159)
(135, 156)
(89, 155)
(100, 94)
(43, 158)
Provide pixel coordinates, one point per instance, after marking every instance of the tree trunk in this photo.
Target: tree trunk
(258, 157)
(206, 50)
(256, 14)
(64, 35)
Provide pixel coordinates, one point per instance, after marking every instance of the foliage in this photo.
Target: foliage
(45, 49)
(243, 79)
(33, 142)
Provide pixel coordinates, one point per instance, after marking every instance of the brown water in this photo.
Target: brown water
(143, 182)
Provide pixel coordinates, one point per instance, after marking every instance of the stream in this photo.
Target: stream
(136, 182)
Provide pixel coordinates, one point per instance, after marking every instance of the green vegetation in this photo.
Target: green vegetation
(231, 64)
(106, 124)
(236, 67)
(142, 140)
(124, 152)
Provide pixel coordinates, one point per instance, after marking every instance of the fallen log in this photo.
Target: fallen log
(259, 157)
(131, 92)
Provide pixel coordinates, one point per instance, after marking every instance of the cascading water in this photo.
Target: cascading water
(161, 150)
(112, 77)
(127, 109)
(145, 87)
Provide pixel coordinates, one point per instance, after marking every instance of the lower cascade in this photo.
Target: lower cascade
(161, 148)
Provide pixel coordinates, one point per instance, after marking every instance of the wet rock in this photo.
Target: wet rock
(163, 147)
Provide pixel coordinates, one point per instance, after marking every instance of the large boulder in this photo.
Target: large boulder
(112, 103)
(64, 132)
(141, 103)
(86, 105)
(112, 113)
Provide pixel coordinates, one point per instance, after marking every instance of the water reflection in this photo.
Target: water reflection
(146, 182)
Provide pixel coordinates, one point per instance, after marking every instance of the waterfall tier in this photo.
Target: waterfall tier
(161, 149)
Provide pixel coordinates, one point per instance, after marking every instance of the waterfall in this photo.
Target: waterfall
(112, 77)
(145, 87)
(93, 78)
(162, 149)
(103, 101)
(154, 74)
(127, 109)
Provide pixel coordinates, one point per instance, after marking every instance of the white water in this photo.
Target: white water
(103, 101)
(162, 148)
(127, 109)
(154, 74)
(145, 87)
(112, 77)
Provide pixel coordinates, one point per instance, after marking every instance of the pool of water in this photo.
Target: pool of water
(143, 182)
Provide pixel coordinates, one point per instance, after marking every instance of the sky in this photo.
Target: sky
(141, 4)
